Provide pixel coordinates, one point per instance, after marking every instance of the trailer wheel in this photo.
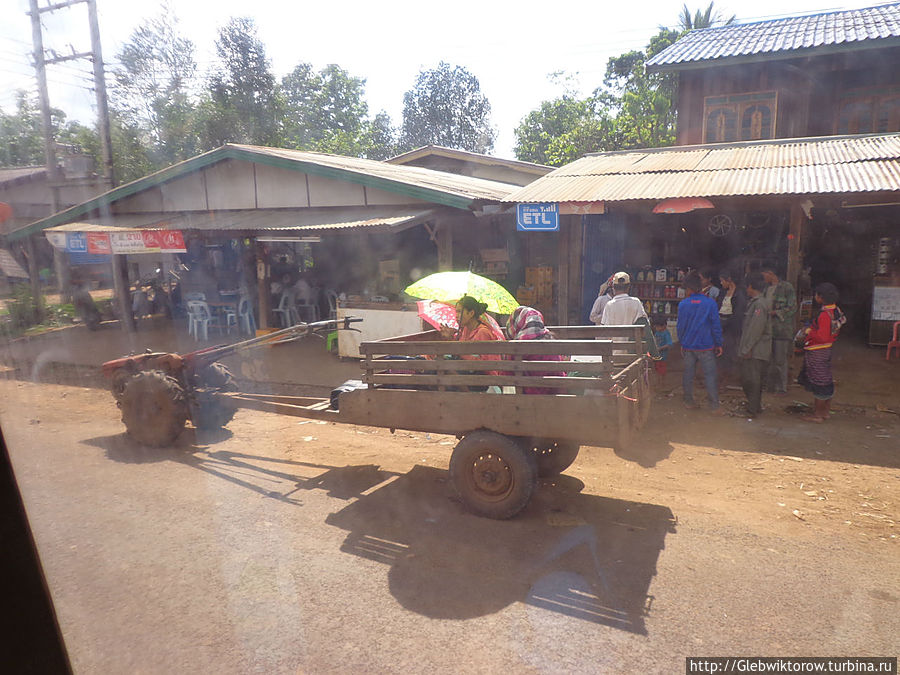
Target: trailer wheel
(493, 474)
(154, 409)
(207, 411)
(553, 457)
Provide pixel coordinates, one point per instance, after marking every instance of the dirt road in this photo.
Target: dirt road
(283, 545)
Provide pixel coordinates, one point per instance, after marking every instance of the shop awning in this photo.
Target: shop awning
(370, 218)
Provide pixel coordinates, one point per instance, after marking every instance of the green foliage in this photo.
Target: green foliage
(564, 129)
(242, 104)
(24, 310)
(22, 133)
(700, 19)
(446, 107)
(152, 87)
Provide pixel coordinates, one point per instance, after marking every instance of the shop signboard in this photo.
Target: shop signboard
(98, 243)
(120, 243)
(76, 242)
(886, 303)
(537, 217)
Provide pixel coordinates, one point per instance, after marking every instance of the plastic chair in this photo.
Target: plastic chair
(199, 319)
(895, 341)
(244, 319)
(287, 310)
(306, 310)
(195, 295)
(332, 298)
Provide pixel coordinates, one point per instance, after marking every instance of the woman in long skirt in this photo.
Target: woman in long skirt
(816, 375)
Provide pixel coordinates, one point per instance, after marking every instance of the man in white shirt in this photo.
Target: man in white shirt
(604, 295)
(622, 310)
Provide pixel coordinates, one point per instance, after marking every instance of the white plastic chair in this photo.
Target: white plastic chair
(287, 310)
(199, 319)
(243, 319)
(332, 298)
(306, 310)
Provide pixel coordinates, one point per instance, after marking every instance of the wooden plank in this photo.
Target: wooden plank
(541, 347)
(290, 400)
(403, 380)
(592, 332)
(456, 365)
(590, 420)
(316, 413)
(428, 335)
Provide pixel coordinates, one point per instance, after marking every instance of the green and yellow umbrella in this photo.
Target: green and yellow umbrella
(451, 286)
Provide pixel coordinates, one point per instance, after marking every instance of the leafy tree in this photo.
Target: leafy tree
(242, 104)
(383, 137)
(324, 110)
(564, 129)
(446, 107)
(643, 102)
(153, 85)
(22, 133)
(131, 156)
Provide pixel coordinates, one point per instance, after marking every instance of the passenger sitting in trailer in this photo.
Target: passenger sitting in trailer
(474, 326)
(527, 323)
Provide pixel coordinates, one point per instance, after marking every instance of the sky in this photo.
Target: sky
(511, 47)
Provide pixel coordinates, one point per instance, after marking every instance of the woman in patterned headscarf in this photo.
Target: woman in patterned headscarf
(527, 323)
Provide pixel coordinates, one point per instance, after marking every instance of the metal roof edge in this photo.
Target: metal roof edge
(135, 186)
(239, 152)
(737, 144)
(350, 176)
(776, 55)
(454, 153)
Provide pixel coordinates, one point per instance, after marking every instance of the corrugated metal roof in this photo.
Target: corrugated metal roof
(825, 165)
(463, 186)
(21, 173)
(465, 155)
(437, 187)
(9, 267)
(378, 218)
(849, 29)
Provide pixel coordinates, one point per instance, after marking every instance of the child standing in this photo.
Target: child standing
(663, 342)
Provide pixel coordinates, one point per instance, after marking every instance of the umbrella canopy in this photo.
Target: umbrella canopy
(438, 314)
(683, 205)
(451, 286)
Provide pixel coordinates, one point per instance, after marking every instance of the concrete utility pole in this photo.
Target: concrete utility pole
(54, 178)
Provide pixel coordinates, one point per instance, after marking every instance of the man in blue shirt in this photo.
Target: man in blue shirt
(700, 335)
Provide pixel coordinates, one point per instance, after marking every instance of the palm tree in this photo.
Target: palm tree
(702, 19)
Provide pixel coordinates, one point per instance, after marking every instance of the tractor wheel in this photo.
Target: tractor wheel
(154, 409)
(207, 412)
(553, 457)
(493, 474)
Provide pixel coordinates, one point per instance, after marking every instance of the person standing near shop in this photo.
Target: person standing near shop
(700, 335)
(622, 310)
(783, 299)
(732, 304)
(820, 336)
(604, 295)
(706, 285)
(755, 348)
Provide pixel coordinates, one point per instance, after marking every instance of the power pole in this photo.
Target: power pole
(54, 179)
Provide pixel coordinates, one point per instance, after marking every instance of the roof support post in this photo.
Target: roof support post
(34, 277)
(794, 261)
(444, 247)
(562, 278)
(123, 294)
(263, 283)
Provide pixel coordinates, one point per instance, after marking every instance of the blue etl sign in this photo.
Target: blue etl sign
(537, 217)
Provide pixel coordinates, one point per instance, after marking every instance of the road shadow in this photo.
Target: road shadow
(584, 556)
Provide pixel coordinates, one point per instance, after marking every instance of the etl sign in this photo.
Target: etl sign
(537, 217)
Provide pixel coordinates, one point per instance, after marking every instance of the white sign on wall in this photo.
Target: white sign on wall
(886, 303)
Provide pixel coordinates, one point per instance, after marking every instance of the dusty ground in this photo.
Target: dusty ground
(285, 545)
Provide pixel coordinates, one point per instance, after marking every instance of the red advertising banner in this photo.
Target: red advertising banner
(172, 241)
(98, 242)
(151, 240)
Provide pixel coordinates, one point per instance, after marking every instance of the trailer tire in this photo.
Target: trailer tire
(493, 474)
(553, 456)
(154, 409)
(207, 411)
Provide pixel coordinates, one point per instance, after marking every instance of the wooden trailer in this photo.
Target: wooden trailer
(597, 394)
